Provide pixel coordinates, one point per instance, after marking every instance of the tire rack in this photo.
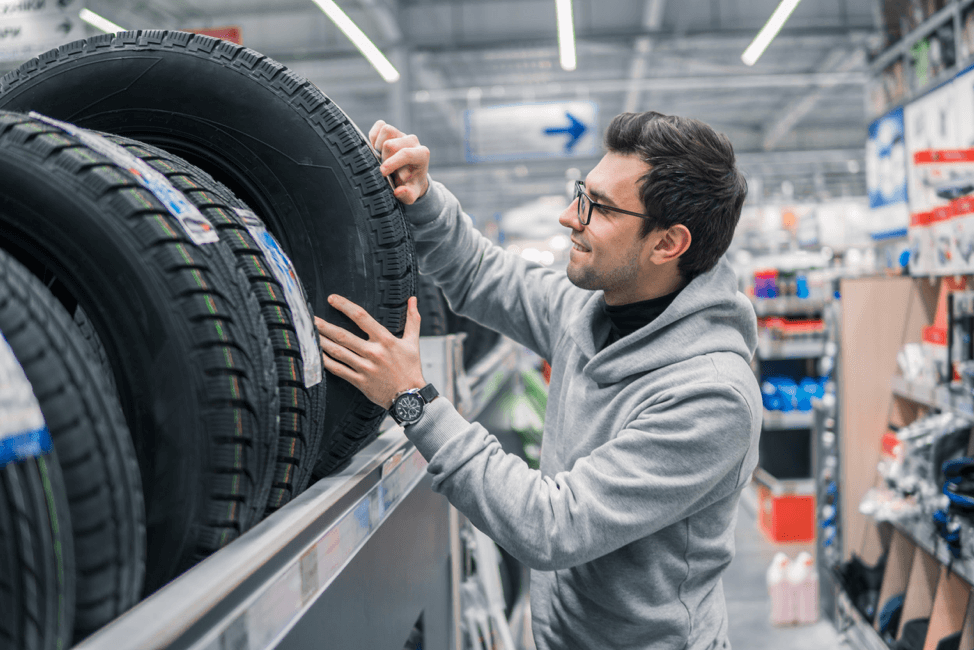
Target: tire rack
(352, 562)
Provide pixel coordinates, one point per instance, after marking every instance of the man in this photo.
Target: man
(654, 413)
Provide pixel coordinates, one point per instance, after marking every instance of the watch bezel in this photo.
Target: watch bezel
(412, 394)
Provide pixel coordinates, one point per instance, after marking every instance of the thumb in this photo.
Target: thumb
(412, 319)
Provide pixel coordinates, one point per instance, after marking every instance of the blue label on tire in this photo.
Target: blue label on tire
(23, 432)
(283, 270)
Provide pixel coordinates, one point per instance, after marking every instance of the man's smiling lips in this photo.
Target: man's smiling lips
(578, 247)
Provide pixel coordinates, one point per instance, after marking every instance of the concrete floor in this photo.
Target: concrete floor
(748, 606)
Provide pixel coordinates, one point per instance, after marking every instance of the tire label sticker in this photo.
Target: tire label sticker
(284, 272)
(23, 432)
(197, 227)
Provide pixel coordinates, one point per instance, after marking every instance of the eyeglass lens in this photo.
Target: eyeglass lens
(583, 207)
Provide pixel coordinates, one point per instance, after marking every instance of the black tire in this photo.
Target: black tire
(37, 570)
(302, 408)
(98, 462)
(190, 354)
(432, 308)
(277, 142)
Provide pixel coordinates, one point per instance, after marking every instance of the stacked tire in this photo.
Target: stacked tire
(152, 304)
(278, 143)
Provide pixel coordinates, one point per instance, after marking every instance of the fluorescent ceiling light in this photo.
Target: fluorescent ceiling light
(359, 40)
(768, 32)
(566, 34)
(98, 22)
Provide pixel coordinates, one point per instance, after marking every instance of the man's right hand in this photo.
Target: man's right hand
(404, 159)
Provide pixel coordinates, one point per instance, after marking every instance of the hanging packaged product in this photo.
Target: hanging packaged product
(23, 432)
(284, 272)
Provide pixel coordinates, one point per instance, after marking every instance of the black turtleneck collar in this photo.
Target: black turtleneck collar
(626, 319)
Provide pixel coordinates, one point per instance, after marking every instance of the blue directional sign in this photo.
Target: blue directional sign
(530, 131)
(575, 130)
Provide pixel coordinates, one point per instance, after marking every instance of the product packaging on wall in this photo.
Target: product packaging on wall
(886, 173)
(940, 169)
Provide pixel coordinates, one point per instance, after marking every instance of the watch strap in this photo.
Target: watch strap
(428, 393)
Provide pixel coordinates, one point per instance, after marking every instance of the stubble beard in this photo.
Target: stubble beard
(622, 277)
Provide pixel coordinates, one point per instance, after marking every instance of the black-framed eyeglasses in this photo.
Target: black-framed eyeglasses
(585, 205)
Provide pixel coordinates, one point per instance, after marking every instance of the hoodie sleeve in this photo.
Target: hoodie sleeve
(679, 456)
(522, 300)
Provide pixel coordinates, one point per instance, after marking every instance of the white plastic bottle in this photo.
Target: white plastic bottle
(803, 581)
(780, 592)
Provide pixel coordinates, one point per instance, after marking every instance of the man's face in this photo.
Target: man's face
(615, 259)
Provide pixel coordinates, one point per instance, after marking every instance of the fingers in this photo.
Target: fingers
(410, 162)
(409, 169)
(412, 319)
(388, 139)
(359, 316)
(404, 160)
(374, 132)
(336, 334)
(339, 352)
(341, 370)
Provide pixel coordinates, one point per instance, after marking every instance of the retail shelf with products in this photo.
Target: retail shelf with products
(798, 487)
(786, 305)
(770, 349)
(945, 398)
(857, 629)
(914, 75)
(373, 537)
(781, 421)
(921, 532)
(879, 316)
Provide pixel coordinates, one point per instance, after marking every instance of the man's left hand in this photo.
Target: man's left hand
(380, 367)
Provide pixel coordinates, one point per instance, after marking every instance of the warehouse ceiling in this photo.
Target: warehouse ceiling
(797, 115)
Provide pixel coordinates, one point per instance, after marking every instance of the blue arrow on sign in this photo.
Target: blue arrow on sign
(576, 129)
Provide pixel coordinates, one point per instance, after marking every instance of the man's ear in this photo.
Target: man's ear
(674, 243)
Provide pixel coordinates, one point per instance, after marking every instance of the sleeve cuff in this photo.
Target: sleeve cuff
(440, 423)
(428, 207)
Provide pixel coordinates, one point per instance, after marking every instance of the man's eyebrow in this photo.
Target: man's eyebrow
(599, 197)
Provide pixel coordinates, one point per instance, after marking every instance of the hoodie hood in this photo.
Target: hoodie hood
(709, 315)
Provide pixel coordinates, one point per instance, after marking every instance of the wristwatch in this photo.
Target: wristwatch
(407, 406)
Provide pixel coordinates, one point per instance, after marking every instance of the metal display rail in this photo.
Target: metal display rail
(353, 562)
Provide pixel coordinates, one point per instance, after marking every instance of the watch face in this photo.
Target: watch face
(409, 407)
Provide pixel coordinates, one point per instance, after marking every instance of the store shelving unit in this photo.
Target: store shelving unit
(782, 430)
(786, 306)
(918, 562)
(356, 559)
(943, 398)
(780, 421)
(860, 633)
(770, 349)
(901, 55)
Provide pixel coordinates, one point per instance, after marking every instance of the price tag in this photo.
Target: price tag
(285, 274)
(197, 227)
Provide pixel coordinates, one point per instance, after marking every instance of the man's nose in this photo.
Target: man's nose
(569, 217)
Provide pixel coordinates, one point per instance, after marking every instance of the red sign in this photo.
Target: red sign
(935, 335)
(943, 156)
(231, 33)
(921, 218)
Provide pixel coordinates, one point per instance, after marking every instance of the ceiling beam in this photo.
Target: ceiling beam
(655, 84)
(839, 61)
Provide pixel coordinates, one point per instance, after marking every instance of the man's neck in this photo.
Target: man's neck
(657, 290)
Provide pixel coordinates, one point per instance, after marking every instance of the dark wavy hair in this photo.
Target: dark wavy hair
(692, 180)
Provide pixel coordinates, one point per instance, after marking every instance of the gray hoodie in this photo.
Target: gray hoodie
(647, 445)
